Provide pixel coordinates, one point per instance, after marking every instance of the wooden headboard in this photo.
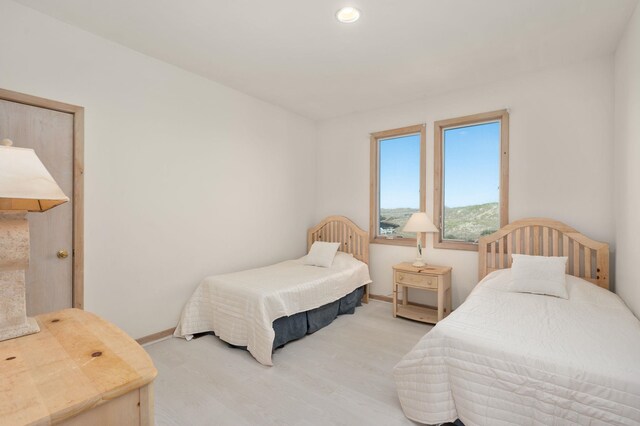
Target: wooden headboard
(339, 229)
(588, 259)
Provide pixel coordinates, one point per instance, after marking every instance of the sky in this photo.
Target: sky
(472, 165)
(400, 172)
(471, 168)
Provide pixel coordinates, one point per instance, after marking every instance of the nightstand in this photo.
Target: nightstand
(425, 278)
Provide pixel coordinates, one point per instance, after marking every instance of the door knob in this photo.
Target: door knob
(62, 254)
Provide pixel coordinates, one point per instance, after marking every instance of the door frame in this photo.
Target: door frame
(78, 181)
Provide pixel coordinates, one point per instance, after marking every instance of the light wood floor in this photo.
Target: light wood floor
(341, 375)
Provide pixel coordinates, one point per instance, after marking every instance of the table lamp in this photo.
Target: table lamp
(419, 222)
(25, 186)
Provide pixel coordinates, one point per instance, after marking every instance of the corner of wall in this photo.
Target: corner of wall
(626, 152)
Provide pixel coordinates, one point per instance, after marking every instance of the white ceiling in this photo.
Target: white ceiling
(295, 54)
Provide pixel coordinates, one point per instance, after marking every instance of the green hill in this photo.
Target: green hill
(461, 223)
(470, 222)
(393, 220)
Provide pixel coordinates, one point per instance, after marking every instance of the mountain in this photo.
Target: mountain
(461, 223)
(393, 220)
(469, 222)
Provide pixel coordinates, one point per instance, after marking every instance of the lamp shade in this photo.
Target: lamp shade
(420, 222)
(25, 183)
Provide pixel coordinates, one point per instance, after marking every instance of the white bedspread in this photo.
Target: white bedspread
(522, 359)
(241, 307)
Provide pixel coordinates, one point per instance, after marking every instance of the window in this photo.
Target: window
(397, 183)
(471, 178)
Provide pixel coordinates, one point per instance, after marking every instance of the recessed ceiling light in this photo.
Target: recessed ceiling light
(348, 15)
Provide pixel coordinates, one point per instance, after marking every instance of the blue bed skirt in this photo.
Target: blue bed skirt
(299, 325)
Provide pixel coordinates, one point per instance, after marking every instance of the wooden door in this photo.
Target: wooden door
(51, 134)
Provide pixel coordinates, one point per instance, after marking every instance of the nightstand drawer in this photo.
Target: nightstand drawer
(419, 280)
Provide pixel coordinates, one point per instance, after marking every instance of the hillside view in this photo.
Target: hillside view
(393, 220)
(461, 223)
(470, 222)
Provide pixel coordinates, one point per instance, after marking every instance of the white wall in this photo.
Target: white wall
(560, 165)
(184, 177)
(627, 163)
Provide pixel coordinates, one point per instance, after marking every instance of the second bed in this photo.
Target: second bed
(508, 357)
(247, 308)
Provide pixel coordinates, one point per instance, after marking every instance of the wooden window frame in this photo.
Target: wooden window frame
(375, 190)
(439, 127)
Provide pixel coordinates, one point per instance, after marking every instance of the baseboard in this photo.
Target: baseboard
(155, 336)
(381, 297)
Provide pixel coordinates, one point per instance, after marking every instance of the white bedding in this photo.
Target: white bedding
(523, 359)
(241, 307)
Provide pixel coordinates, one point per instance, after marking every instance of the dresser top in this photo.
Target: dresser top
(76, 361)
(427, 269)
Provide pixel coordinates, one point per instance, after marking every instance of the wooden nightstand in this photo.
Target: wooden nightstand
(427, 278)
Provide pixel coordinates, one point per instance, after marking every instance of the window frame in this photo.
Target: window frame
(374, 198)
(438, 157)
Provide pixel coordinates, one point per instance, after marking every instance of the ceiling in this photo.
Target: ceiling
(295, 54)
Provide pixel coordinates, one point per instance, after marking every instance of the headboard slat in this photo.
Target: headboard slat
(587, 258)
(565, 249)
(587, 263)
(492, 258)
(576, 258)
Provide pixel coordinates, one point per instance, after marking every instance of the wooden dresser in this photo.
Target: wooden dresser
(78, 370)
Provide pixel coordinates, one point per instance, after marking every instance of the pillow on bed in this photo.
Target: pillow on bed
(344, 260)
(321, 254)
(539, 275)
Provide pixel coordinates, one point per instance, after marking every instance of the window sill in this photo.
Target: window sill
(454, 245)
(394, 241)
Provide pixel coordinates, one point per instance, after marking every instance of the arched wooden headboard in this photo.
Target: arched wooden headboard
(352, 239)
(339, 229)
(588, 259)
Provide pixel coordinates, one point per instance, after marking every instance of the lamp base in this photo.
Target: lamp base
(30, 327)
(14, 260)
(418, 263)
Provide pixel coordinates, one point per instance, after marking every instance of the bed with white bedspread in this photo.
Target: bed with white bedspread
(506, 358)
(240, 307)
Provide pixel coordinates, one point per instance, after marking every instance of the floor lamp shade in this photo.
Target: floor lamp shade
(419, 222)
(25, 185)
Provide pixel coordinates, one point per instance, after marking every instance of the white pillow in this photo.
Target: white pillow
(321, 254)
(539, 275)
(343, 260)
